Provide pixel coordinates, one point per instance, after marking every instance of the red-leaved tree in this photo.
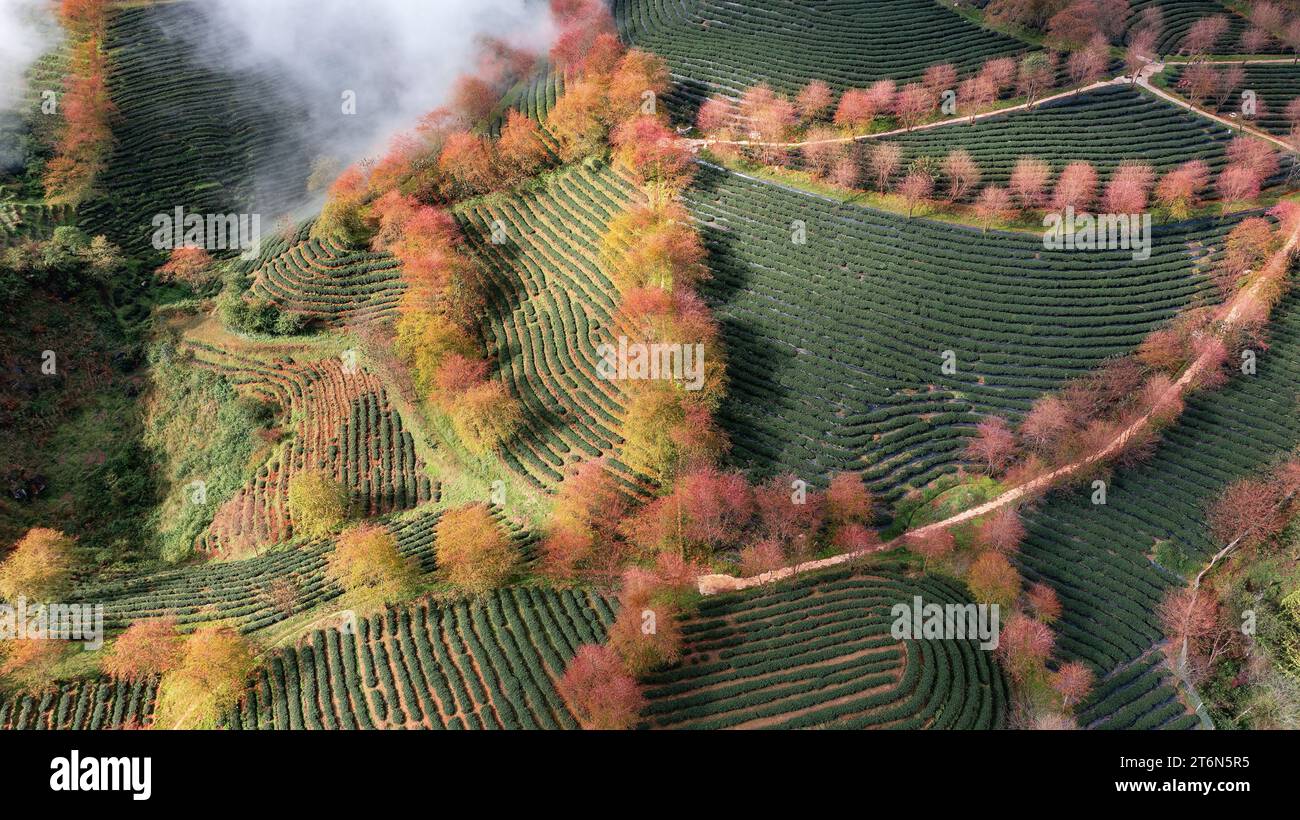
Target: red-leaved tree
(1072, 681)
(1043, 603)
(1024, 647)
(1002, 531)
(932, 545)
(993, 446)
(597, 690)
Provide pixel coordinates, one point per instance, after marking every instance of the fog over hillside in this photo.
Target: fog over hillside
(398, 57)
(26, 31)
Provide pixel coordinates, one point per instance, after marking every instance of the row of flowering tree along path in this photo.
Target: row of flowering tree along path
(1143, 79)
(1242, 308)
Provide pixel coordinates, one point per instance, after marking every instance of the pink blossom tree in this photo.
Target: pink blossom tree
(1029, 180)
(1179, 190)
(1204, 34)
(886, 158)
(913, 104)
(1129, 188)
(994, 204)
(1077, 187)
(814, 101)
(915, 189)
(962, 171)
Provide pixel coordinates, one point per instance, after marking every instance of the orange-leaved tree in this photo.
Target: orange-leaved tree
(150, 646)
(366, 561)
(210, 676)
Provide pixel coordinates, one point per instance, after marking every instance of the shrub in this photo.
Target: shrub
(289, 323)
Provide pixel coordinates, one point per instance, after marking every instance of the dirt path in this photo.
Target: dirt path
(1229, 314)
(1144, 80)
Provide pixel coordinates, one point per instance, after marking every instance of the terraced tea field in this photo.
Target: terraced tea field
(549, 307)
(1102, 559)
(721, 47)
(857, 340)
(817, 652)
(326, 282)
(191, 135)
(485, 664)
(28, 126)
(91, 704)
(1178, 17)
(1140, 696)
(1276, 85)
(534, 97)
(341, 421)
(252, 593)
(835, 346)
(829, 324)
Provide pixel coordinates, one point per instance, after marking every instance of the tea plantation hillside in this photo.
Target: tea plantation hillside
(1111, 563)
(818, 653)
(192, 134)
(718, 47)
(858, 316)
(436, 454)
(1275, 85)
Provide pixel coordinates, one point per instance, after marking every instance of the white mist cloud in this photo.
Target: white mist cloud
(27, 31)
(400, 57)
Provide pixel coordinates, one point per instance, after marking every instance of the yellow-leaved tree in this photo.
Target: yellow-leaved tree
(317, 503)
(39, 567)
(472, 551)
(485, 416)
(213, 669)
(367, 561)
